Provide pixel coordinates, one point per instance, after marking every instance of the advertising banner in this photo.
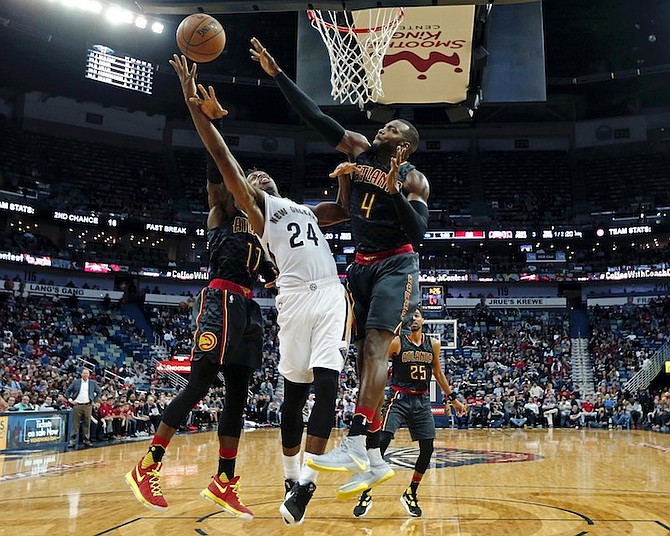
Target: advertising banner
(32, 429)
(4, 427)
(180, 367)
(428, 59)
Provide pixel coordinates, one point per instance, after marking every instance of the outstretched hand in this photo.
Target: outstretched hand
(208, 103)
(186, 74)
(343, 168)
(260, 54)
(396, 161)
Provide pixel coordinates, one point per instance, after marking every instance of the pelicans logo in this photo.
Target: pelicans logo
(207, 341)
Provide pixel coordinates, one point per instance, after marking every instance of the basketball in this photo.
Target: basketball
(201, 37)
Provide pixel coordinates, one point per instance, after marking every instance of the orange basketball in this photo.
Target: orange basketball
(201, 38)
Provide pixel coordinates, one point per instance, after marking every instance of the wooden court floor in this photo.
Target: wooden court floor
(487, 482)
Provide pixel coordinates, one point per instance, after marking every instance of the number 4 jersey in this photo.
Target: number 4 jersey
(293, 238)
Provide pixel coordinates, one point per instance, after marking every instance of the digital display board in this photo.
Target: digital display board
(106, 65)
(432, 297)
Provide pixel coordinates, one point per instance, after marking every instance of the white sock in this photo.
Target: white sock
(375, 456)
(291, 466)
(307, 474)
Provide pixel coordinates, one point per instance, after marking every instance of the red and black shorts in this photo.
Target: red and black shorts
(228, 328)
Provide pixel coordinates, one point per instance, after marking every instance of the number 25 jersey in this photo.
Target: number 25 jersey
(413, 366)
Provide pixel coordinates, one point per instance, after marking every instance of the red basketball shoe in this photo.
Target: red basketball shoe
(146, 485)
(226, 495)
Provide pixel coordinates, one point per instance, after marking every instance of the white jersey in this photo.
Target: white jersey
(293, 238)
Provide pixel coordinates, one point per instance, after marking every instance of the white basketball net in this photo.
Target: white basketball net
(357, 43)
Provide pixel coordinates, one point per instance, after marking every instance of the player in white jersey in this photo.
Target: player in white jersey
(313, 308)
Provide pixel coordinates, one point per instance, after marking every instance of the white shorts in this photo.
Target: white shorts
(314, 328)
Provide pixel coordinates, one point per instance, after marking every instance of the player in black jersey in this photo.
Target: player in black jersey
(387, 204)
(414, 358)
(228, 338)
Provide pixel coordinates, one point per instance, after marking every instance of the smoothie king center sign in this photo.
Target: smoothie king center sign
(429, 56)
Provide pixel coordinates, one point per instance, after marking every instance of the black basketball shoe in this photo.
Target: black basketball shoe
(364, 504)
(293, 507)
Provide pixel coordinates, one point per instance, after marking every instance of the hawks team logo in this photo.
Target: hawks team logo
(207, 341)
(449, 457)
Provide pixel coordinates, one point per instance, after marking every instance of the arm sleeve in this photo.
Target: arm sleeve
(326, 126)
(414, 216)
(268, 270)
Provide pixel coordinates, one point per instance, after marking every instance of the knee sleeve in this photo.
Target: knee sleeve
(295, 395)
(237, 392)
(322, 419)
(425, 452)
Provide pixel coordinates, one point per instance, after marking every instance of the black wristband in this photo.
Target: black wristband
(452, 396)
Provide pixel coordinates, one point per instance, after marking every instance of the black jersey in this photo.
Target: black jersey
(235, 253)
(413, 366)
(375, 223)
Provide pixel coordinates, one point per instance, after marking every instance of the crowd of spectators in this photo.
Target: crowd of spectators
(623, 338)
(511, 367)
(519, 188)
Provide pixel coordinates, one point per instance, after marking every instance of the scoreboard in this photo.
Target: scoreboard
(106, 65)
(432, 297)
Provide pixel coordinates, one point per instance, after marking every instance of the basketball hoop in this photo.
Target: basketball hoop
(356, 43)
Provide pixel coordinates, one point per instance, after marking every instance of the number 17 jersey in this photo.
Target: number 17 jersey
(293, 238)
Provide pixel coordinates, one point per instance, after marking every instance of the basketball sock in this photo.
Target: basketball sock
(291, 466)
(153, 455)
(414, 484)
(227, 458)
(361, 422)
(156, 451)
(374, 435)
(307, 474)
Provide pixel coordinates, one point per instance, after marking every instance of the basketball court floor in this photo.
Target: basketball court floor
(482, 482)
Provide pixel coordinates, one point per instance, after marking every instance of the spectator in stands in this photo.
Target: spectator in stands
(154, 411)
(273, 411)
(48, 403)
(549, 408)
(576, 417)
(601, 419)
(609, 404)
(531, 410)
(634, 408)
(564, 407)
(516, 418)
(621, 417)
(588, 411)
(24, 404)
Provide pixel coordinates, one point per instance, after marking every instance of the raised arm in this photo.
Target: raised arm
(247, 198)
(411, 204)
(346, 141)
